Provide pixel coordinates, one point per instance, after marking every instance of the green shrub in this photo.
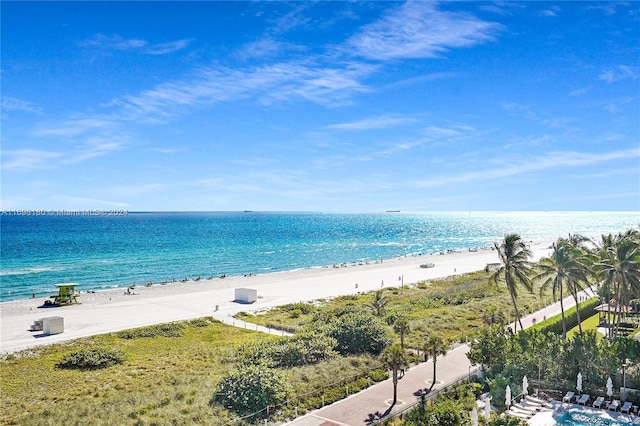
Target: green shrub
(554, 324)
(92, 359)
(358, 333)
(252, 389)
(160, 330)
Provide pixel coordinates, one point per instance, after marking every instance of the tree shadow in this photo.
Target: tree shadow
(374, 417)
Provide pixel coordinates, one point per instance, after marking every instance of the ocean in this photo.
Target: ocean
(102, 250)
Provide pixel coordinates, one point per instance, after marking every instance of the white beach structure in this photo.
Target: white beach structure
(52, 325)
(246, 295)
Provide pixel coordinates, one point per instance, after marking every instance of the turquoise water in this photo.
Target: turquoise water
(581, 418)
(105, 251)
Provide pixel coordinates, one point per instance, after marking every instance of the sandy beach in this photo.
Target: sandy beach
(113, 310)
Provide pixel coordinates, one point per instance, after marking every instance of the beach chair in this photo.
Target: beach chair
(626, 407)
(518, 415)
(614, 405)
(598, 402)
(535, 400)
(522, 409)
(584, 399)
(568, 397)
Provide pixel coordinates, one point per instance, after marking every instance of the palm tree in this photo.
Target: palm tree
(395, 358)
(378, 304)
(401, 326)
(619, 269)
(516, 269)
(566, 269)
(434, 347)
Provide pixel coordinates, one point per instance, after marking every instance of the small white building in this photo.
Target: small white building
(52, 325)
(246, 295)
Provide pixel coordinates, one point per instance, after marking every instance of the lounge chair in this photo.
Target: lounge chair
(626, 407)
(524, 410)
(568, 397)
(535, 400)
(518, 415)
(598, 402)
(614, 405)
(584, 399)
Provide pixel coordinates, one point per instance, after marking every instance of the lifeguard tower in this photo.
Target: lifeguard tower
(66, 294)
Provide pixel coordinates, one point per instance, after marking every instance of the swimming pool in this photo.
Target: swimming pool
(582, 418)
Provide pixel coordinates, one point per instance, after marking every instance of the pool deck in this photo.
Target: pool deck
(549, 417)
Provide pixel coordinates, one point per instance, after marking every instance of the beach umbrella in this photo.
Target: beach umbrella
(609, 387)
(579, 383)
(525, 385)
(474, 417)
(507, 396)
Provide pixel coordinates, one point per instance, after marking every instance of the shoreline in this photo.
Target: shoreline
(111, 310)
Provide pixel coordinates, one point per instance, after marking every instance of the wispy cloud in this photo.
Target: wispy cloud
(618, 73)
(14, 104)
(381, 122)
(280, 82)
(548, 161)
(117, 42)
(24, 160)
(164, 48)
(74, 127)
(28, 159)
(551, 11)
(420, 30)
(581, 91)
(113, 42)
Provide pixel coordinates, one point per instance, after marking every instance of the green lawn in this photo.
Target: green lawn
(590, 323)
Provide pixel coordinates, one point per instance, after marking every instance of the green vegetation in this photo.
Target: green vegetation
(92, 359)
(252, 389)
(203, 372)
(454, 306)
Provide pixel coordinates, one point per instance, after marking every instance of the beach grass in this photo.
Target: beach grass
(164, 380)
(451, 307)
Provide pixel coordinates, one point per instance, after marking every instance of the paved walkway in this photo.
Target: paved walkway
(373, 403)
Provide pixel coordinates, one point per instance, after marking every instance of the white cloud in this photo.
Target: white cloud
(552, 160)
(14, 104)
(618, 73)
(170, 47)
(117, 42)
(581, 91)
(114, 41)
(420, 30)
(381, 122)
(28, 159)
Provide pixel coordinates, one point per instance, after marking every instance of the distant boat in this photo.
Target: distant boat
(248, 211)
(393, 211)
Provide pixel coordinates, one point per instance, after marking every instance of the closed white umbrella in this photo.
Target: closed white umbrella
(487, 408)
(579, 383)
(474, 417)
(609, 387)
(507, 396)
(525, 385)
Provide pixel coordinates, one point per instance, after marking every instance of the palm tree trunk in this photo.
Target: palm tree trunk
(434, 373)
(515, 308)
(564, 324)
(395, 386)
(575, 297)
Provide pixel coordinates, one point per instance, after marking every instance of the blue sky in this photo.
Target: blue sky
(321, 106)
